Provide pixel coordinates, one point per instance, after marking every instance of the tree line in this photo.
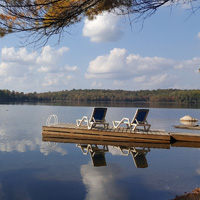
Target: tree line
(160, 95)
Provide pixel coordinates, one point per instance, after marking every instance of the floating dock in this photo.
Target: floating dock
(111, 135)
(63, 130)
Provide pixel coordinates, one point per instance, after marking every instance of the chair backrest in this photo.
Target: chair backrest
(98, 114)
(98, 159)
(140, 160)
(140, 115)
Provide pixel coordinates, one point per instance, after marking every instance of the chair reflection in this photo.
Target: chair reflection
(97, 153)
(138, 154)
(97, 149)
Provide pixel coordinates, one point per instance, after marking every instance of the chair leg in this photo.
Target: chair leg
(90, 126)
(134, 128)
(78, 122)
(147, 127)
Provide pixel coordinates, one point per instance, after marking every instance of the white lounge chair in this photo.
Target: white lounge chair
(97, 118)
(139, 119)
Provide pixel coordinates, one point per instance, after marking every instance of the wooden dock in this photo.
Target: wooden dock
(111, 136)
(71, 131)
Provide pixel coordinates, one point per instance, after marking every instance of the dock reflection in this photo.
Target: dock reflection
(98, 149)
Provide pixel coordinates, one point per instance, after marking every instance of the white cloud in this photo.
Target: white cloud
(48, 60)
(106, 66)
(188, 64)
(71, 69)
(158, 79)
(12, 56)
(21, 70)
(134, 72)
(56, 79)
(123, 66)
(140, 79)
(96, 84)
(103, 29)
(49, 55)
(119, 83)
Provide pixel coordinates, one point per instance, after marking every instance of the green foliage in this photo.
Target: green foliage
(167, 96)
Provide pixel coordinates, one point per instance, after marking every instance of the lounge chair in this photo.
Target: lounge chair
(138, 120)
(97, 118)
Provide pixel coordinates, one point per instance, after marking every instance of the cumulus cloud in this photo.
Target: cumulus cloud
(132, 71)
(31, 70)
(49, 58)
(118, 64)
(59, 79)
(107, 66)
(103, 29)
(188, 64)
(22, 56)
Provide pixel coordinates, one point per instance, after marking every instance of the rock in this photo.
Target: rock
(188, 118)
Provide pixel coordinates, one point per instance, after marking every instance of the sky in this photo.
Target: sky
(108, 53)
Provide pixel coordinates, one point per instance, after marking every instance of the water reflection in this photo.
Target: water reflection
(113, 104)
(98, 149)
(22, 145)
(138, 154)
(97, 153)
(57, 169)
(101, 183)
(48, 147)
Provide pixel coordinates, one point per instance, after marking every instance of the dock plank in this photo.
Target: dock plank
(186, 144)
(100, 134)
(123, 134)
(189, 137)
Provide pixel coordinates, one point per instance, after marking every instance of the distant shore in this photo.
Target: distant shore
(107, 96)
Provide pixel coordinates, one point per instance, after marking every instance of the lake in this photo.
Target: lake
(32, 169)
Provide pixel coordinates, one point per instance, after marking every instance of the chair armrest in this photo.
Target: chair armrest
(125, 120)
(84, 119)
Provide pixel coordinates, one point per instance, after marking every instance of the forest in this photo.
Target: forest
(159, 95)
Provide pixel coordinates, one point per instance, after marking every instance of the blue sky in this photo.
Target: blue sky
(108, 53)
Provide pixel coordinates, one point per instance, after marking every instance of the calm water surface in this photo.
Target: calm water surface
(32, 169)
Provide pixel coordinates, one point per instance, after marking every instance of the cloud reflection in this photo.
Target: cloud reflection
(101, 182)
(47, 147)
(8, 144)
